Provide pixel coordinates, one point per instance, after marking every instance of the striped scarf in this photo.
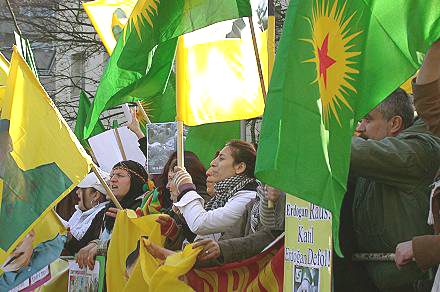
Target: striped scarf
(226, 189)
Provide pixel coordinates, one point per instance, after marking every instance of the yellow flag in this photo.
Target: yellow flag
(218, 81)
(40, 158)
(109, 18)
(127, 232)
(149, 274)
(4, 70)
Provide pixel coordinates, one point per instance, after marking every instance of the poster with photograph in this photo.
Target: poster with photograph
(85, 279)
(35, 281)
(26, 267)
(308, 247)
(161, 143)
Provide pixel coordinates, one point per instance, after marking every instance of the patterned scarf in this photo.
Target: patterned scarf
(226, 189)
(255, 211)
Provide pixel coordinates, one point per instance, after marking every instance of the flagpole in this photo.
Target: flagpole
(121, 147)
(257, 58)
(144, 114)
(180, 145)
(180, 60)
(271, 36)
(106, 187)
(92, 154)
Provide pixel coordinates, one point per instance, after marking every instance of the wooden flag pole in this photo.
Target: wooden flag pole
(180, 85)
(106, 187)
(144, 114)
(118, 139)
(180, 145)
(257, 58)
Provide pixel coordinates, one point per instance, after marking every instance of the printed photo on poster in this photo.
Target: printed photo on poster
(26, 268)
(83, 279)
(306, 279)
(161, 143)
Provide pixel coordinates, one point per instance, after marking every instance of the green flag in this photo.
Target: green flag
(161, 107)
(206, 140)
(141, 61)
(83, 110)
(336, 61)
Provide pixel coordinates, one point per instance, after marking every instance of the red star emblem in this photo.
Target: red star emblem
(325, 61)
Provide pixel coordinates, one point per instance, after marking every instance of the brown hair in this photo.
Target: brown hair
(244, 152)
(193, 166)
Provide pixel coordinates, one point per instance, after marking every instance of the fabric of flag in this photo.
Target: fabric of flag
(109, 18)
(4, 69)
(151, 274)
(81, 117)
(329, 72)
(206, 140)
(46, 229)
(141, 61)
(203, 97)
(40, 158)
(161, 107)
(42, 245)
(127, 232)
(263, 272)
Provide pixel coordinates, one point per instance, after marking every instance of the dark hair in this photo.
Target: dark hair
(101, 195)
(398, 103)
(130, 200)
(244, 152)
(194, 167)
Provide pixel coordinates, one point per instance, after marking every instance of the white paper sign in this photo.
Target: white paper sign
(107, 152)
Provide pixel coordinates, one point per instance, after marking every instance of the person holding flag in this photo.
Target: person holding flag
(127, 180)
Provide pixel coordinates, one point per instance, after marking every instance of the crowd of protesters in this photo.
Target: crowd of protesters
(391, 205)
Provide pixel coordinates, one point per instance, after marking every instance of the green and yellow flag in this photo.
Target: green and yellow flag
(40, 158)
(109, 18)
(335, 62)
(141, 61)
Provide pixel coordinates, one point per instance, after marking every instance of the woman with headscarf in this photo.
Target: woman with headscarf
(127, 180)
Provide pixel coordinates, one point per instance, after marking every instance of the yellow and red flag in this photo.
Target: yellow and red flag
(263, 272)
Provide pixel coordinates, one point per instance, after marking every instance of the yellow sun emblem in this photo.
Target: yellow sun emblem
(330, 41)
(143, 10)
